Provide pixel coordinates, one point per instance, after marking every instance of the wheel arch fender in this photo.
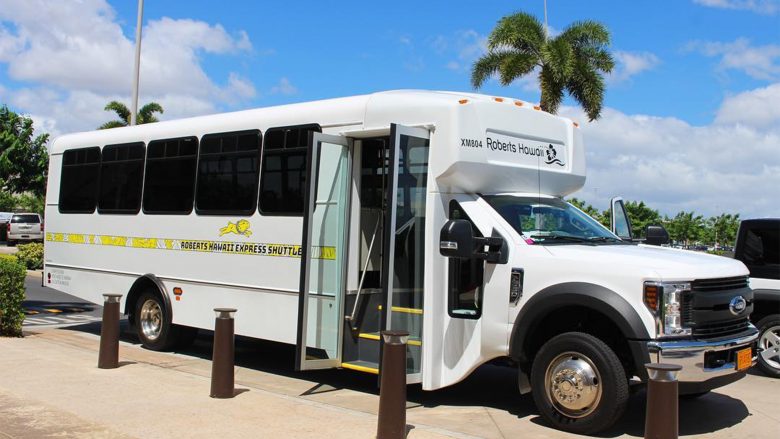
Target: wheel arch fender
(144, 283)
(581, 294)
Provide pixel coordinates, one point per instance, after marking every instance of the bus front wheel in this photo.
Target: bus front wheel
(153, 324)
(579, 384)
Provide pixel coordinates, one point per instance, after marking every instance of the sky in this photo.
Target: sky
(691, 116)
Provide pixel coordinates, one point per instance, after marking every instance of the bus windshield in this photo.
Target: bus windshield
(549, 220)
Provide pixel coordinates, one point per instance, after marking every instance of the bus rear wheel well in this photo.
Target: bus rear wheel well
(575, 318)
(145, 283)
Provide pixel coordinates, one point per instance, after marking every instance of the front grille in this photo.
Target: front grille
(722, 329)
(705, 309)
(726, 283)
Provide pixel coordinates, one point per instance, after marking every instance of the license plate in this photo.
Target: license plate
(744, 358)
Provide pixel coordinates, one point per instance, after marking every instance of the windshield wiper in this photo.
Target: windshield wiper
(560, 238)
(604, 239)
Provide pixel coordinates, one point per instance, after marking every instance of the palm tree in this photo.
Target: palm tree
(572, 62)
(145, 114)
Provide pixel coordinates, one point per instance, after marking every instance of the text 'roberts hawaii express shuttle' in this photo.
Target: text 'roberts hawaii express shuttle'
(437, 213)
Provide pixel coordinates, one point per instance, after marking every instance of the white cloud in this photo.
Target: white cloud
(756, 108)
(727, 166)
(284, 87)
(759, 62)
(767, 7)
(630, 64)
(76, 52)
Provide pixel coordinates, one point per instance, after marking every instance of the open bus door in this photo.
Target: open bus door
(323, 265)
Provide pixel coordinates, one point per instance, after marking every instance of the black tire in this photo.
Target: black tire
(167, 333)
(769, 359)
(609, 379)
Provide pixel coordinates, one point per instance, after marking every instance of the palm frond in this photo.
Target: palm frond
(558, 57)
(146, 113)
(112, 124)
(120, 109)
(515, 65)
(486, 67)
(552, 90)
(599, 58)
(587, 87)
(586, 33)
(520, 31)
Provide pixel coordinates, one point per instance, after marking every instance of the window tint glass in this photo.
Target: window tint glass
(121, 176)
(466, 276)
(227, 173)
(761, 252)
(170, 175)
(283, 184)
(79, 180)
(26, 219)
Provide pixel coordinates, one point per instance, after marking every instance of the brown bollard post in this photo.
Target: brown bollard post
(108, 357)
(661, 419)
(223, 357)
(392, 387)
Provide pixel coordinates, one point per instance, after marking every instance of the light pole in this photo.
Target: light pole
(136, 73)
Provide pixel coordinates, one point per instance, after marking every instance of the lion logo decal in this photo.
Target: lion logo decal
(240, 227)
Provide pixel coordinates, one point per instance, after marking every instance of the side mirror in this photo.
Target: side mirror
(456, 240)
(656, 235)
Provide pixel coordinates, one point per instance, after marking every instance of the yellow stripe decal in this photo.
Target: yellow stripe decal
(373, 370)
(404, 310)
(192, 245)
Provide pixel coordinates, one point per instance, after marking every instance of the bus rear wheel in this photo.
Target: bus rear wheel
(153, 323)
(578, 383)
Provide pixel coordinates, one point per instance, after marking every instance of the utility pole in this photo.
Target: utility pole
(136, 73)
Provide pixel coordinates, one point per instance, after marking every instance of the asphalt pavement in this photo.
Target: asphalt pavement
(49, 307)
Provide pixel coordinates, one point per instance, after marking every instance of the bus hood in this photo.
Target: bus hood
(668, 263)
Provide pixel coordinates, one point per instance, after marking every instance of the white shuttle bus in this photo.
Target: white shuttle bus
(438, 213)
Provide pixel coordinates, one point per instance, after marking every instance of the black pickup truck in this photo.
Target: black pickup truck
(758, 247)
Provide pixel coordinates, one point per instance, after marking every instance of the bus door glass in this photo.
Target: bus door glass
(323, 269)
(404, 259)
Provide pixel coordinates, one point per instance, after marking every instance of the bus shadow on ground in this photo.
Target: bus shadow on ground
(491, 385)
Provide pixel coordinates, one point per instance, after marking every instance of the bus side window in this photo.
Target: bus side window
(79, 180)
(121, 176)
(169, 187)
(283, 180)
(228, 168)
(466, 277)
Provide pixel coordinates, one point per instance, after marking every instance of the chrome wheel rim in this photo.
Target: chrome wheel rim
(151, 319)
(770, 345)
(573, 384)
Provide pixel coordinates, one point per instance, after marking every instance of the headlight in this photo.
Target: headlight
(665, 301)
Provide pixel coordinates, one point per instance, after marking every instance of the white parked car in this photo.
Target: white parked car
(24, 227)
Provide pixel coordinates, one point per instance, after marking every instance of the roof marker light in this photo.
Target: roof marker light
(518, 103)
(536, 107)
(463, 101)
(498, 99)
(575, 124)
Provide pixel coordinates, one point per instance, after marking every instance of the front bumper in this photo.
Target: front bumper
(704, 360)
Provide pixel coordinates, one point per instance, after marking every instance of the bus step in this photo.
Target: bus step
(413, 341)
(362, 366)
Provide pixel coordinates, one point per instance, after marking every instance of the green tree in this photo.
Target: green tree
(641, 216)
(573, 62)
(590, 210)
(686, 227)
(145, 114)
(722, 229)
(24, 160)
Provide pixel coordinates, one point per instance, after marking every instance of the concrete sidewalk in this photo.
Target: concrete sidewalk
(50, 386)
